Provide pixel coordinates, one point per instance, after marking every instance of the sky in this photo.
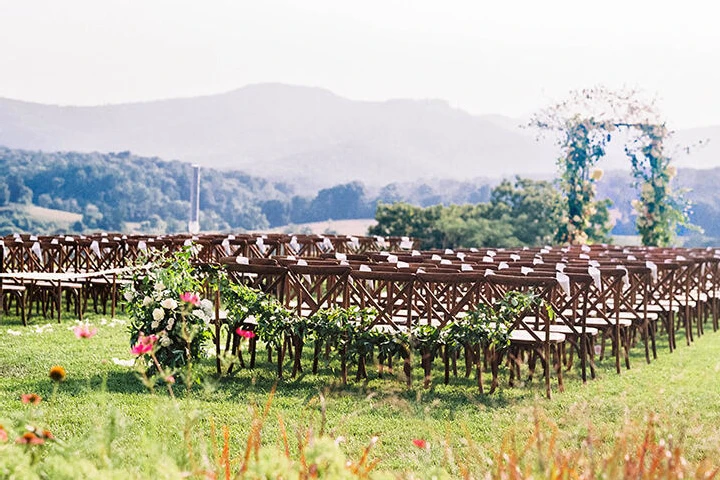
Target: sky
(507, 57)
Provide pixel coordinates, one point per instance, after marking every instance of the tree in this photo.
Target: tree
(527, 212)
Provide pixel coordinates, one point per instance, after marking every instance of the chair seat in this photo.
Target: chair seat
(524, 337)
(609, 322)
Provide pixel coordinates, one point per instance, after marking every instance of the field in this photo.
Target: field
(103, 407)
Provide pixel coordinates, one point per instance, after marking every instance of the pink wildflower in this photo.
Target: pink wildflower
(170, 379)
(144, 344)
(420, 443)
(30, 438)
(31, 398)
(3, 434)
(191, 298)
(84, 331)
(245, 333)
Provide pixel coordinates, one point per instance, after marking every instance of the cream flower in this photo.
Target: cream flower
(159, 287)
(147, 301)
(128, 295)
(165, 340)
(155, 324)
(671, 171)
(169, 303)
(596, 174)
(158, 314)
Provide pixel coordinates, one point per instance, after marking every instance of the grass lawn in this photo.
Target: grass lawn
(681, 391)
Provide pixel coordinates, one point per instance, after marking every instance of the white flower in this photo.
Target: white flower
(159, 287)
(169, 303)
(147, 301)
(128, 295)
(123, 363)
(165, 341)
(171, 324)
(206, 305)
(158, 314)
(155, 324)
(13, 332)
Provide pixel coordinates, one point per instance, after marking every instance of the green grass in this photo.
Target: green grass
(680, 390)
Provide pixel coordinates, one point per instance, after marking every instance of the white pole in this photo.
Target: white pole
(194, 223)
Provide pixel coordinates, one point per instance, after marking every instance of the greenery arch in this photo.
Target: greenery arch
(583, 138)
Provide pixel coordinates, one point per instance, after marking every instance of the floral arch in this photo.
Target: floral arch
(584, 124)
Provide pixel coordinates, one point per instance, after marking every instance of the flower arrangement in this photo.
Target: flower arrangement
(166, 310)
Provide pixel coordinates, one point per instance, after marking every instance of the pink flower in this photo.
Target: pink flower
(30, 438)
(144, 344)
(191, 298)
(420, 443)
(170, 379)
(84, 331)
(3, 434)
(31, 398)
(245, 333)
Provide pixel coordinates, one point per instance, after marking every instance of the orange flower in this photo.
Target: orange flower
(57, 373)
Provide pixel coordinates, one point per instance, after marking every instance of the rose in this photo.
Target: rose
(169, 303)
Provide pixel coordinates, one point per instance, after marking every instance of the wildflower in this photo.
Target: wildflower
(420, 443)
(671, 171)
(158, 314)
(165, 341)
(596, 174)
(31, 398)
(169, 303)
(57, 373)
(144, 344)
(170, 379)
(147, 301)
(159, 287)
(123, 363)
(191, 298)
(245, 333)
(84, 331)
(30, 438)
(128, 295)
(3, 434)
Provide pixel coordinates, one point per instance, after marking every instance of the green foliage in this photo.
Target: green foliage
(115, 188)
(526, 212)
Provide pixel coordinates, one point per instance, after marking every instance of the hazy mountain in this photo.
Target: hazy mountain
(308, 135)
(284, 131)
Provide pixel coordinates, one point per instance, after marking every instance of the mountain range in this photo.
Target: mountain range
(310, 137)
